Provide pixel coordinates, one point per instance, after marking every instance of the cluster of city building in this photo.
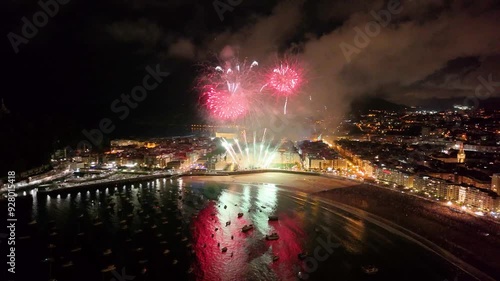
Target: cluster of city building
(452, 156)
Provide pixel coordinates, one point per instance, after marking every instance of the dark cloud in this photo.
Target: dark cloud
(404, 53)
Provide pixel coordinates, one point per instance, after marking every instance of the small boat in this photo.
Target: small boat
(76, 250)
(240, 215)
(369, 269)
(68, 264)
(174, 262)
(24, 237)
(184, 239)
(32, 222)
(246, 228)
(273, 218)
(166, 251)
(107, 252)
(139, 249)
(273, 236)
(163, 242)
(109, 268)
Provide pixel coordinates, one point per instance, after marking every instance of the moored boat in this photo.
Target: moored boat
(246, 227)
(273, 236)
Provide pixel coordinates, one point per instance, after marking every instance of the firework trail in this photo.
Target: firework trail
(253, 154)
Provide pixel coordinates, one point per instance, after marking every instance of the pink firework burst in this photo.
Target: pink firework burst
(285, 78)
(224, 105)
(227, 88)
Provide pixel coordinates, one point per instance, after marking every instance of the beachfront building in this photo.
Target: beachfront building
(478, 198)
(430, 186)
(449, 192)
(317, 163)
(393, 176)
(495, 183)
(286, 159)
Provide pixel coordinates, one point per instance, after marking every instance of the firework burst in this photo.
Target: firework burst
(224, 105)
(228, 88)
(285, 78)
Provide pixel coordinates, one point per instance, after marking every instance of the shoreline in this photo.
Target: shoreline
(86, 185)
(454, 234)
(457, 237)
(472, 239)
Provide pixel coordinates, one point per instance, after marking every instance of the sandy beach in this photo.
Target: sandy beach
(309, 184)
(472, 239)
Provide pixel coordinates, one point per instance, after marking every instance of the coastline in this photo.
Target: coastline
(456, 237)
(462, 235)
(457, 234)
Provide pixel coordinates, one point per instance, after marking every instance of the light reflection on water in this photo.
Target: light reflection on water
(191, 222)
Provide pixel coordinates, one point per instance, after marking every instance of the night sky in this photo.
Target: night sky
(66, 77)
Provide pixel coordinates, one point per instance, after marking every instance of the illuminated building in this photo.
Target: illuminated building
(124, 142)
(228, 136)
(495, 183)
(461, 154)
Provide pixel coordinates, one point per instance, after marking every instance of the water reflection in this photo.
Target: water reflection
(193, 230)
